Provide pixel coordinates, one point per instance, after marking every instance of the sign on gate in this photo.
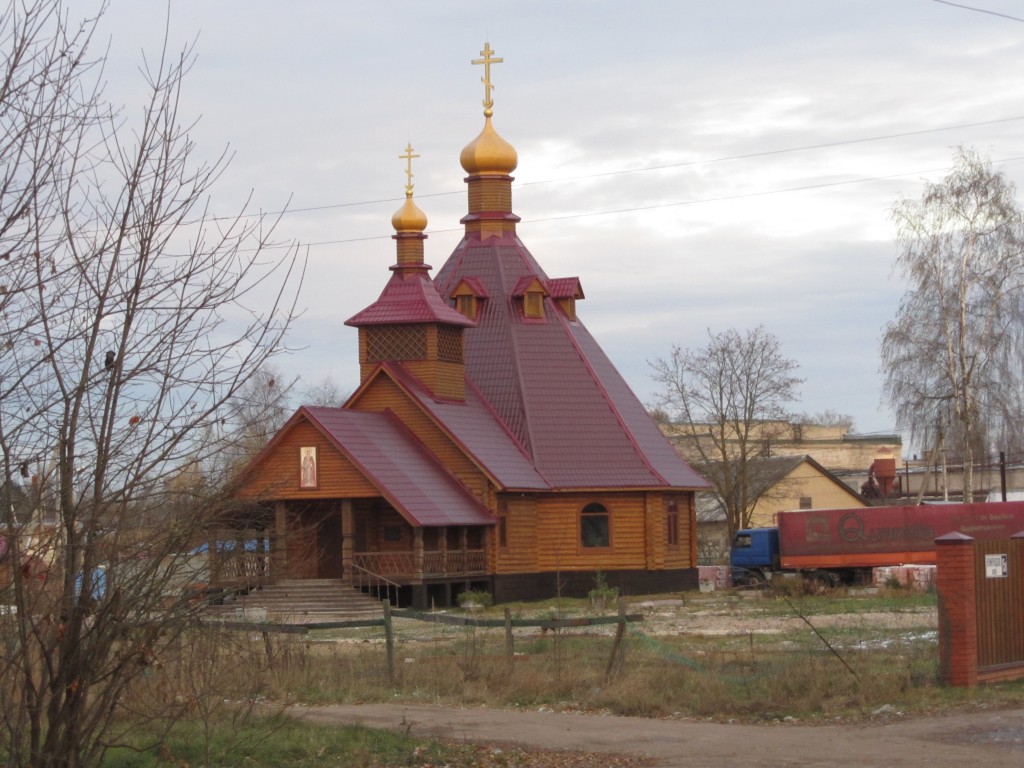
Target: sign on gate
(996, 567)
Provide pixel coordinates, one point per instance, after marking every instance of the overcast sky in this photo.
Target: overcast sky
(699, 165)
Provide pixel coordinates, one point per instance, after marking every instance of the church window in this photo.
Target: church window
(502, 524)
(672, 522)
(594, 527)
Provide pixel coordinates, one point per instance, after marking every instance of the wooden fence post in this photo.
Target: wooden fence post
(269, 649)
(617, 646)
(509, 647)
(389, 640)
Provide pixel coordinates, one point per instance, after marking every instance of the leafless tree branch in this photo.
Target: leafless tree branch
(130, 320)
(729, 392)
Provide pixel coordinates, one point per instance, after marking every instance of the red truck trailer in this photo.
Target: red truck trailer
(842, 545)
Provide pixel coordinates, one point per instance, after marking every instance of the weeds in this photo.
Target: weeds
(292, 743)
(787, 671)
(753, 675)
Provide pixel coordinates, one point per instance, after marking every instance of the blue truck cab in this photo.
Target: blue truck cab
(754, 555)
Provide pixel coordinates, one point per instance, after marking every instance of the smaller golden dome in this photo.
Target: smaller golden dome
(409, 218)
(489, 154)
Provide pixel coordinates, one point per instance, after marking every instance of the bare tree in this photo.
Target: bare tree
(255, 412)
(731, 394)
(826, 418)
(952, 356)
(129, 318)
(324, 392)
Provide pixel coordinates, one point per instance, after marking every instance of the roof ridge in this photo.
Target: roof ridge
(520, 381)
(403, 379)
(397, 376)
(501, 423)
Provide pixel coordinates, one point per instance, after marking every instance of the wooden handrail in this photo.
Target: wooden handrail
(370, 580)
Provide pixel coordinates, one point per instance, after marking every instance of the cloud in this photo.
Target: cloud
(317, 100)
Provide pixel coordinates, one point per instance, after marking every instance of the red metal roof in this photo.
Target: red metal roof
(552, 386)
(409, 297)
(478, 431)
(399, 466)
(565, 288)
(524, 283)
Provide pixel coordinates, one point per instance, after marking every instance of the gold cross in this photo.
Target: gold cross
(487, 60)
(408, 156)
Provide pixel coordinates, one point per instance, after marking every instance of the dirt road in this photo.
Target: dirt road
(989, 739)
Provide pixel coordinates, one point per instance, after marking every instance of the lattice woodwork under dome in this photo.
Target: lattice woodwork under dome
(449, 344)
(396, 342)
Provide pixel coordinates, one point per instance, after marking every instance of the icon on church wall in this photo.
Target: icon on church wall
(307, 467)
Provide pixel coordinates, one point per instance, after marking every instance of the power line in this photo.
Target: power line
(770, 152)
(979, 10)
(674, 204)
(645, 169)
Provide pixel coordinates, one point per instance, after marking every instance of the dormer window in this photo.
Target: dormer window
(533, 304)
(565, 291)
(468, 296)
(568, 306)
(466, 305)
(532, 292)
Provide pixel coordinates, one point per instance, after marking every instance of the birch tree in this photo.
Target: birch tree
(732, 393)
(129, 318)
(953, 355)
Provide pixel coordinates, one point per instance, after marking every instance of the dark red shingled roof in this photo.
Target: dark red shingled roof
(399, 466)
(409, 297)
(478, 431)
(565, 288)
(551, 384)
(524, 283)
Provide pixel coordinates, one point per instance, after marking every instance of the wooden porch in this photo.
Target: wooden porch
(254, 569)
(364, 543)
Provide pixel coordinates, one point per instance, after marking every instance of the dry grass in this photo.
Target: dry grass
(763, 658)
(724, 656)
(719, 656)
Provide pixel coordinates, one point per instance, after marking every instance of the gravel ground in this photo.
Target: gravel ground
(491, 738)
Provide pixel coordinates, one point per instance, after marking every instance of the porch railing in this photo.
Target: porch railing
(241, 570)
(403, 566)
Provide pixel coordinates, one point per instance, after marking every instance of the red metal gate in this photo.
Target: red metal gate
(999, 580)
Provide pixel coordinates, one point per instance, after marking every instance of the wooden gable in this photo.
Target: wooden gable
(531, 292)
(468, 294)
(566, 291)
(277, 472)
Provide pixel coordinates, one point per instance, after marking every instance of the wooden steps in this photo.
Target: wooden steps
(300, 601)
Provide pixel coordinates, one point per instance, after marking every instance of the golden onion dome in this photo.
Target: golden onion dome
(409, 218)
(489, 154)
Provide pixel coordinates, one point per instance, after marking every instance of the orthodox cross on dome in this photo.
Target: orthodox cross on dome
(408, 157)
(487, 60)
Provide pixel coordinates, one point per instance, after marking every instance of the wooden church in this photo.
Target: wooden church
(490, 445)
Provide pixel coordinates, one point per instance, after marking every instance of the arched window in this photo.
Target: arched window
(595, 530)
